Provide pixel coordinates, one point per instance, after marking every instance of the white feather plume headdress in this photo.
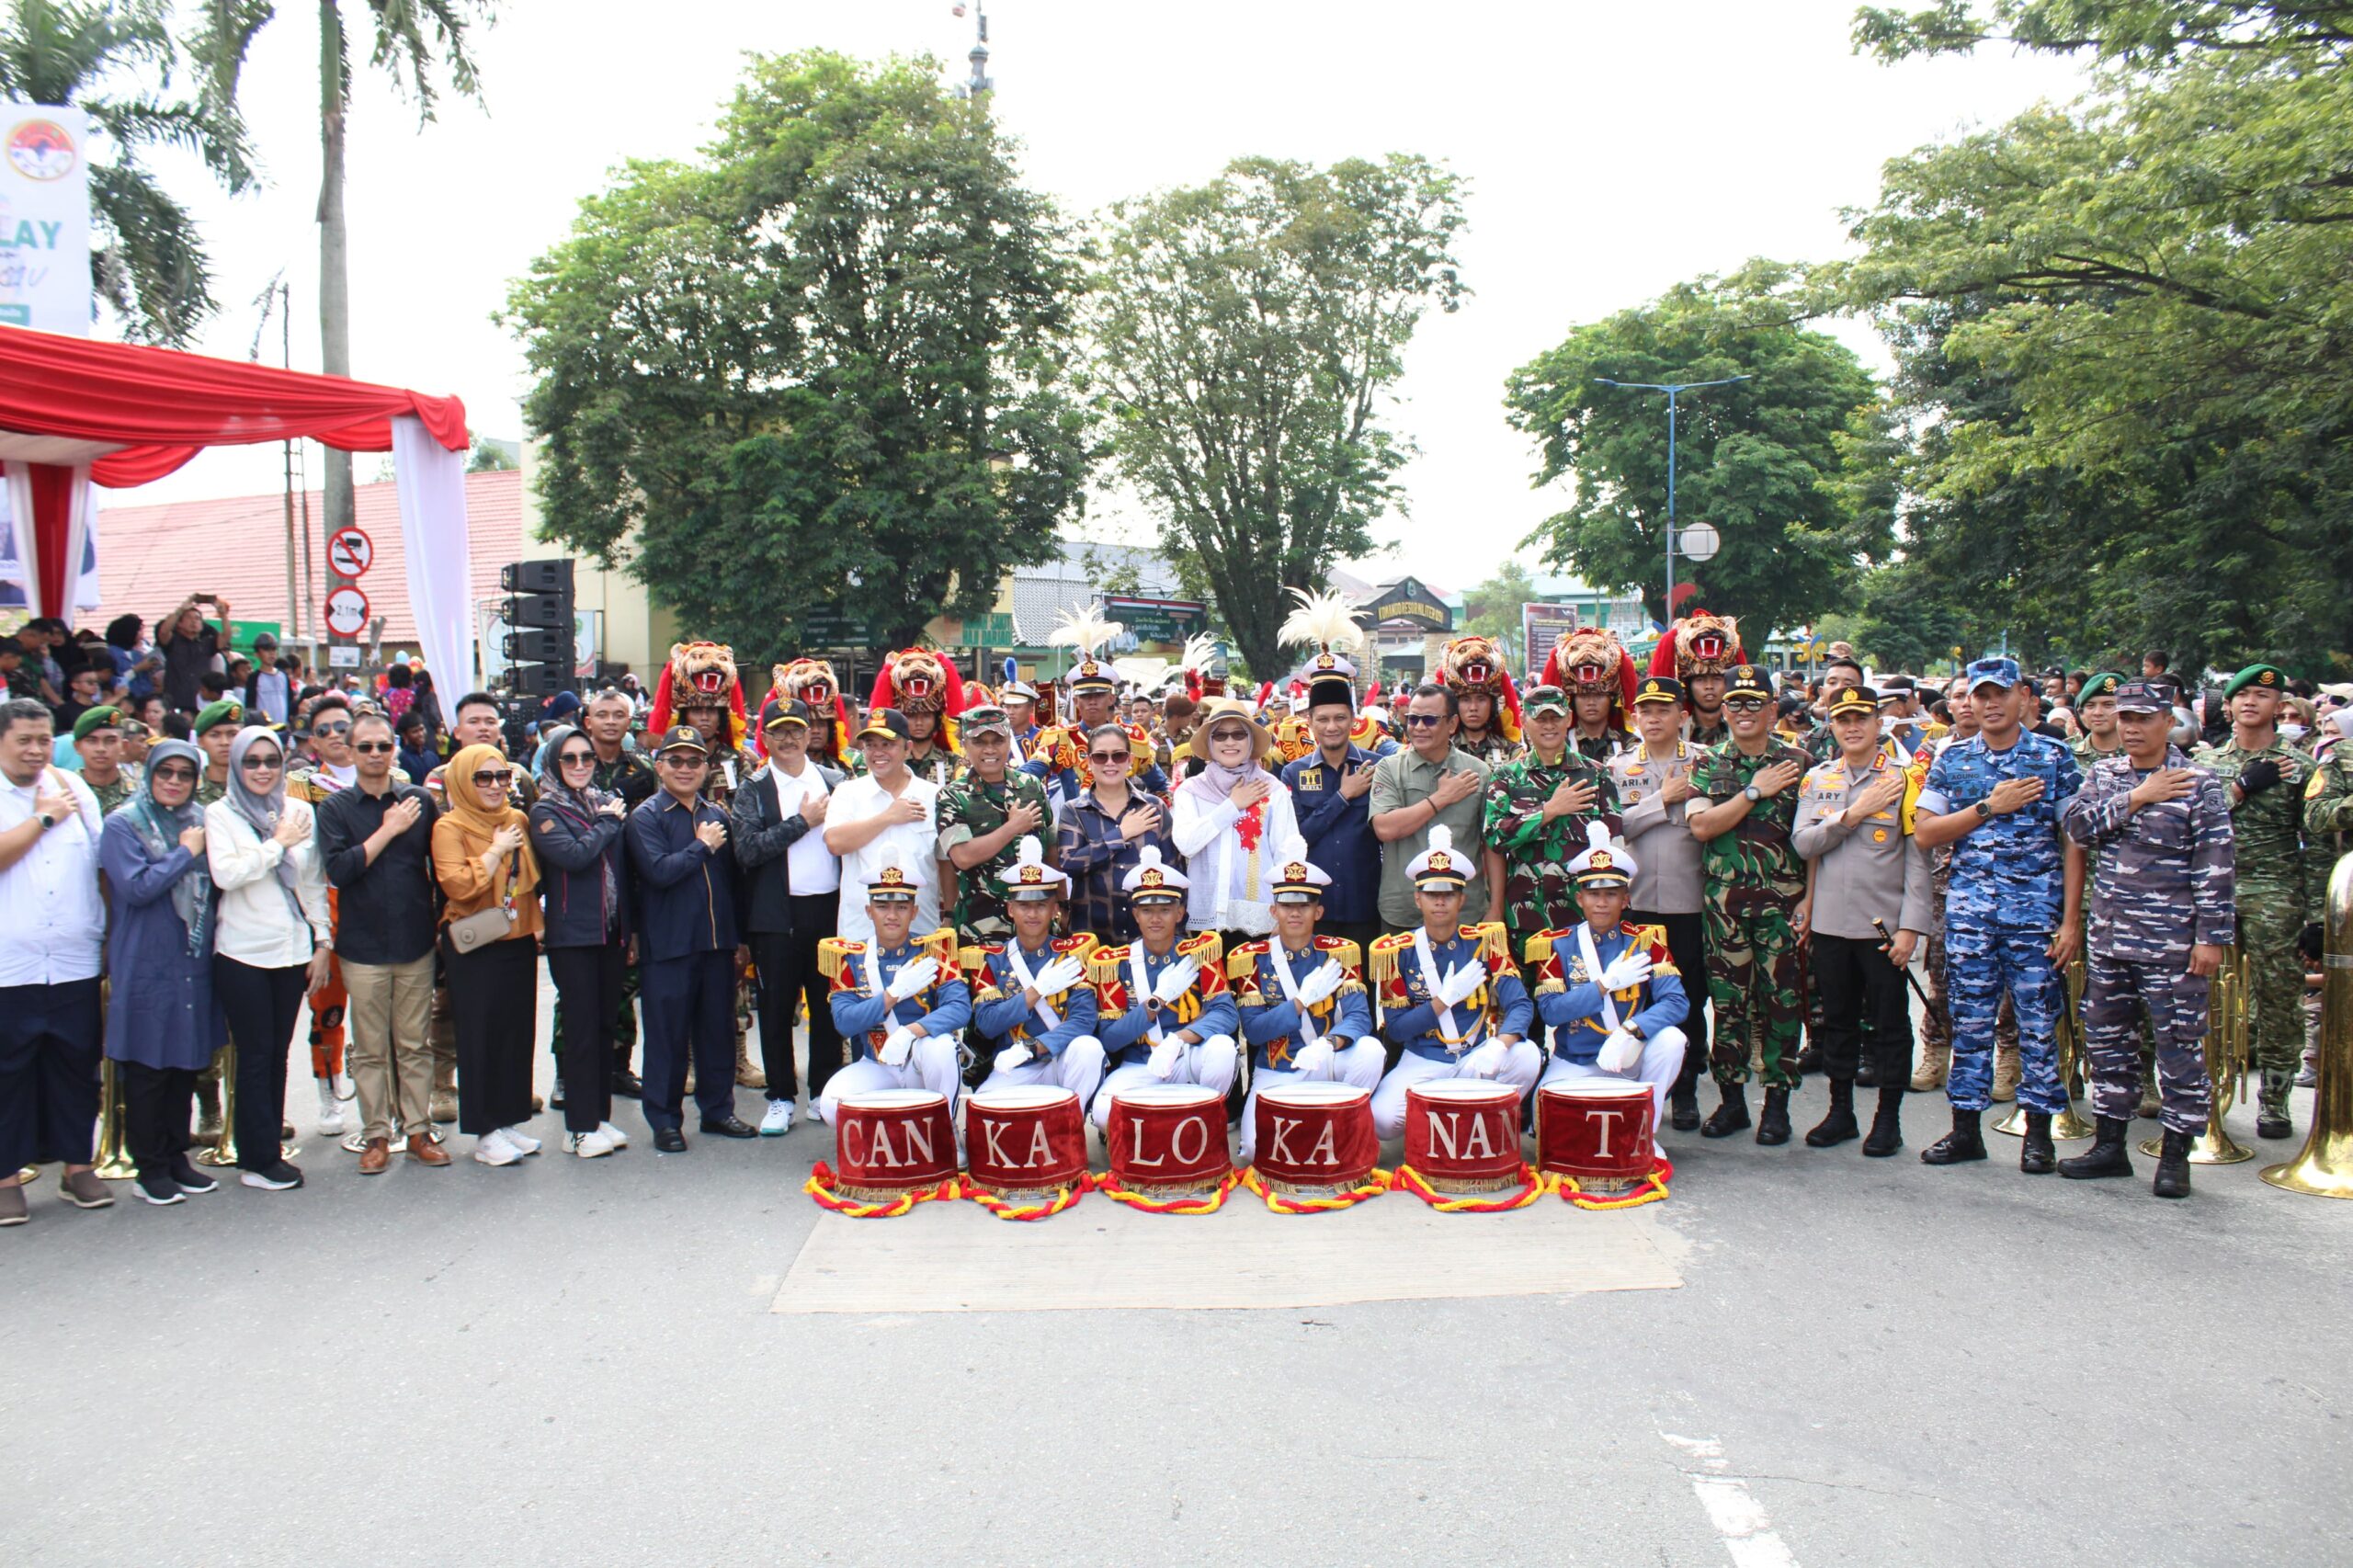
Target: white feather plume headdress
(1085, 630)
(1325, 620)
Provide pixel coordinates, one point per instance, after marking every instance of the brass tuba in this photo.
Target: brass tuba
(2226, 1057)
(114, 1162)
(2325, 1167)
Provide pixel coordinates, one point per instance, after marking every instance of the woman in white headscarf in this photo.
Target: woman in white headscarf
(271, 939)
(1233, 824)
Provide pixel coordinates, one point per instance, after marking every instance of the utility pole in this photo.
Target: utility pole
(980, 82)
(1672, 390)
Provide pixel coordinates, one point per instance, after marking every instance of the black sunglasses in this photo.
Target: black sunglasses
(568, 758)
(1422, 721)
(371, 748)
(259, 761)
(330, 729)
(1107, 756)
(493, 775)
(1745, 704)
(176, 775)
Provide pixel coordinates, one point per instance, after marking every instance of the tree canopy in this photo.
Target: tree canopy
(824, 370)
(1249, 332)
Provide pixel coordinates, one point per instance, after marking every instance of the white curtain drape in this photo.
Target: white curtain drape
(430, 480)
(19, 548)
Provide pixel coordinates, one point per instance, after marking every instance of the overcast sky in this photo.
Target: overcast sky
(1611, 150)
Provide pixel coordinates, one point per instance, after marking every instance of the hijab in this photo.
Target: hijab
(261, 811)
(159, 827)
(477, 823)
(580, 808)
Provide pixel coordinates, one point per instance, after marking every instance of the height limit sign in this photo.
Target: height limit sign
(347, 611)
(350, 552)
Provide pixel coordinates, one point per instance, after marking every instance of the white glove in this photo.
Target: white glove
(1058, 976)
(1012, 1056)
(1309, 1059)
(1626, 970)
(896, 1047)
(1460, 983)
(1164, 1057)
(1178, 978)
(916, 977)
(1485, 1060)
(1620, 1052)
(1321, 982)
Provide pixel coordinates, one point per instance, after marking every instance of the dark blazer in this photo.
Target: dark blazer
(686, 894)
(573, 862)
(760, 834)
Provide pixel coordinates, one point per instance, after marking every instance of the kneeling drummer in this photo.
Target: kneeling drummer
(899, 1001)
(1162, 1011)
(1610, 990)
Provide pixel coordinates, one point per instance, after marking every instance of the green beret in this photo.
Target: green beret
(2270, 678)
(2102, 685)
(225, 712)
(98, 719)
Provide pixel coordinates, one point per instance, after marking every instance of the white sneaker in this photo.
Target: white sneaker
(816, 1113)
(613, 1136)
(492, 1149)
(522, 1142)
(588, 1145)
(778, 1119)
(329, 1110)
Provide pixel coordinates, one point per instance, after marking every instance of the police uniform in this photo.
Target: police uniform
(1667, 885)
(881, 995)
(2161, 882)
(1305, 1013)
(1051, 1041)
(1146, 1001)
(1456, 1005)
(1613, 1000)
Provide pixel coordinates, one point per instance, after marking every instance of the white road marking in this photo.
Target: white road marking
(1747, 1532)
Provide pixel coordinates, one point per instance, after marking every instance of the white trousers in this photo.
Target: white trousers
(1519, 1067)
(1359, 1065)
(1661, 1058)
(1212, 1063)
(1078, 1069)
(931, 1065)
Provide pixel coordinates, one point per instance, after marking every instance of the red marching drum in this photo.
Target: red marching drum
(893, 1142)
(1316, 1140)
(1598, 1132)
(1023, 1145)
(1462, 1135)
(1168, 1137)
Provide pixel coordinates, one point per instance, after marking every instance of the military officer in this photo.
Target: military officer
(2095, 711)
(984, 816)
(1450, 994)
(899, 1001)
(1536, 809)
(1654, 783)
(1608, 990)
(2278, 893)
(1032, 1009)
(1164, 1013)
(1305, 1010)
(2162, 910)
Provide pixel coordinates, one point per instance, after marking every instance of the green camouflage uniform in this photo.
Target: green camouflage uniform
(1539, 893)
(971, 808)
(2328, 812)
(1755, 881)
(2275, 897)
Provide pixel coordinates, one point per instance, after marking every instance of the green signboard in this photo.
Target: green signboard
(1158, 621)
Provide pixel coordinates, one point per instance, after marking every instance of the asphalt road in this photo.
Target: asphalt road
(1868, 1362)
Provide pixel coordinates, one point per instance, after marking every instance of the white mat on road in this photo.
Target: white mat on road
(946, 1257)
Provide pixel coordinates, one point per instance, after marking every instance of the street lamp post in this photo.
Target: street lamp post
(1672, 390)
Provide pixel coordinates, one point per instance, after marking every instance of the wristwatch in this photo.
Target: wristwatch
(47, 822)
(1984, 810)
(1750, 793)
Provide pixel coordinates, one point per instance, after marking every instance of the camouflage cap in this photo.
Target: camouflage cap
(2142, 696)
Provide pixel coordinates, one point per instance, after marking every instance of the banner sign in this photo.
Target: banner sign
(1408, 601)
(45, 218)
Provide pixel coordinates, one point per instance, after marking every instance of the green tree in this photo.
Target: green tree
(1492, 610)
(1769, 460)
(1249, 332)
(147, 260)
(820, 370)
(2138, 303)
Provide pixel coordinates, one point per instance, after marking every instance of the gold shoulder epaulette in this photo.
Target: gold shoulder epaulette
(1540, 946)
(974, 960)
(1495, 942)
(1382, 968)
(1103, 965)
(941, 946)
(1243, 961)
(835, 952)
(1656, 934)
(1078, 942)
(1351, 957)
(1208, 947)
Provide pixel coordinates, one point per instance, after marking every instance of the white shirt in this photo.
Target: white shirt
(809, 865)
(255, 926)
(1223, 896)
(273, 694)
(917, 842)
(55, 920)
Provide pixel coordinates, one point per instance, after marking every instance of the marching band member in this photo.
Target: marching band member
(1449, 993)
(1033, 1015)
(1301, 1000)
(1163, 1014)
(899, 1000)
(1610, 990)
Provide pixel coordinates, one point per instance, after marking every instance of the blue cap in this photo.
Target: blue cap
(1991, 672)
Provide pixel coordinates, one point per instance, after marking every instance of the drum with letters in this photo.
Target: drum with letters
(893, 1142)
(1463, 1134)
(1025, 1144)
(1599, 1130)
(1316, 1140)
(1168, 1137)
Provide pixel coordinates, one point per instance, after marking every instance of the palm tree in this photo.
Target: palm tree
(413, 40)
(146, 259)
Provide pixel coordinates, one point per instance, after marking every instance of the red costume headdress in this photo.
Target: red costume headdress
(1477, 665)
(916, 680)
(699, 674)
(1589, 659)
(1698, 644)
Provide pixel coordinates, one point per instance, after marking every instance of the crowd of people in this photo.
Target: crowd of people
(1600, 871)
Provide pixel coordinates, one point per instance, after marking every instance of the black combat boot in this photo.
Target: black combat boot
(1962, 1143)
(1839, 1125)
(2107, 1156)
(1887, 1122)
(1730, 1116)
(1682, 1105)
(1773, 1126)
(1809, 1058)
(1866, 1070)
(2037, 1158)
(2173, 1166)
(2271, 1122)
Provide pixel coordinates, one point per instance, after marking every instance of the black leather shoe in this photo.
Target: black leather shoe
(1682, 1106)
(625, 1085)
(1887, 1122)
(2106, 1157)
(670, 1141)
(2274, 1124)
(731, 1127)
(1730, 1116)
(1838, 1126)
